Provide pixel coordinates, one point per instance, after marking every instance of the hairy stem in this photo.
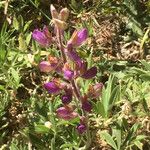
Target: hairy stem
(61, 46)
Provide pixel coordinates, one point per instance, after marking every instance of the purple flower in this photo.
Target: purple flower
(66, 113)
(68, 74)
(86, 106)
(52, 87)
(78, 37)
(95, 91)
(42, 37)
(72, 53)
(45, 66)
(90, 73)
(66, 98)
(81, 128)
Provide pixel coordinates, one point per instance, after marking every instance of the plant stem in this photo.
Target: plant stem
(88, 142)
(61, 46)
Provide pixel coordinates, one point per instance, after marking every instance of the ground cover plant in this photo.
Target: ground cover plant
(74, 75)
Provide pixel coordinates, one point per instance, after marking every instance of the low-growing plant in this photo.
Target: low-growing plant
(72, 69)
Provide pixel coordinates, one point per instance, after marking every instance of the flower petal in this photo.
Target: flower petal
(82, 36)
(65, 113)
(68, 74)
(90, 73)
(42, 37)
(52, 87)
(81, 128)
(45, 66)
(78, 37)
(86, 106)
(66, 99)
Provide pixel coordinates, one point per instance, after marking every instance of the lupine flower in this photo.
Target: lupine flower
(82, 71)
(55, 63)
(68, 73)
(64, 14)
(78, 37)
(51, 65)
(81, 128)
(90, 73)
(60, 24)
(86, 106)
(95, 91)
(52, 87)
(54, 12)
(66, 113)
(45, 66)
(42, 37)
(67, 97)
(73, 55)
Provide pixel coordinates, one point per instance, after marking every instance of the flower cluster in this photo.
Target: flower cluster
(71, 67)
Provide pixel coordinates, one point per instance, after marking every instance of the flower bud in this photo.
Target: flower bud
(81, 128)
(42, 37)
(90, 73)
(48, 124)
(60, 24)
(68, 73)
(64, 14)
(66, 99)
(86, 106)
(54, 12)
(45, 66)
(78, 37)
(95, 91)
(52, 87)
(66, 113)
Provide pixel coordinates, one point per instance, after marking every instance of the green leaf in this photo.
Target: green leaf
(117, 134)
(15, 75)
(2, 88)
(108, 138)
(100, 109)
(22, 43)
(139, 144)
(15, 23)
(145, 77)
(27, 25)
(41, 129)
(28, 38)
(146, 65)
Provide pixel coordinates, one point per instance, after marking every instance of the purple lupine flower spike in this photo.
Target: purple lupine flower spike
(42, 37)
(52, 87)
